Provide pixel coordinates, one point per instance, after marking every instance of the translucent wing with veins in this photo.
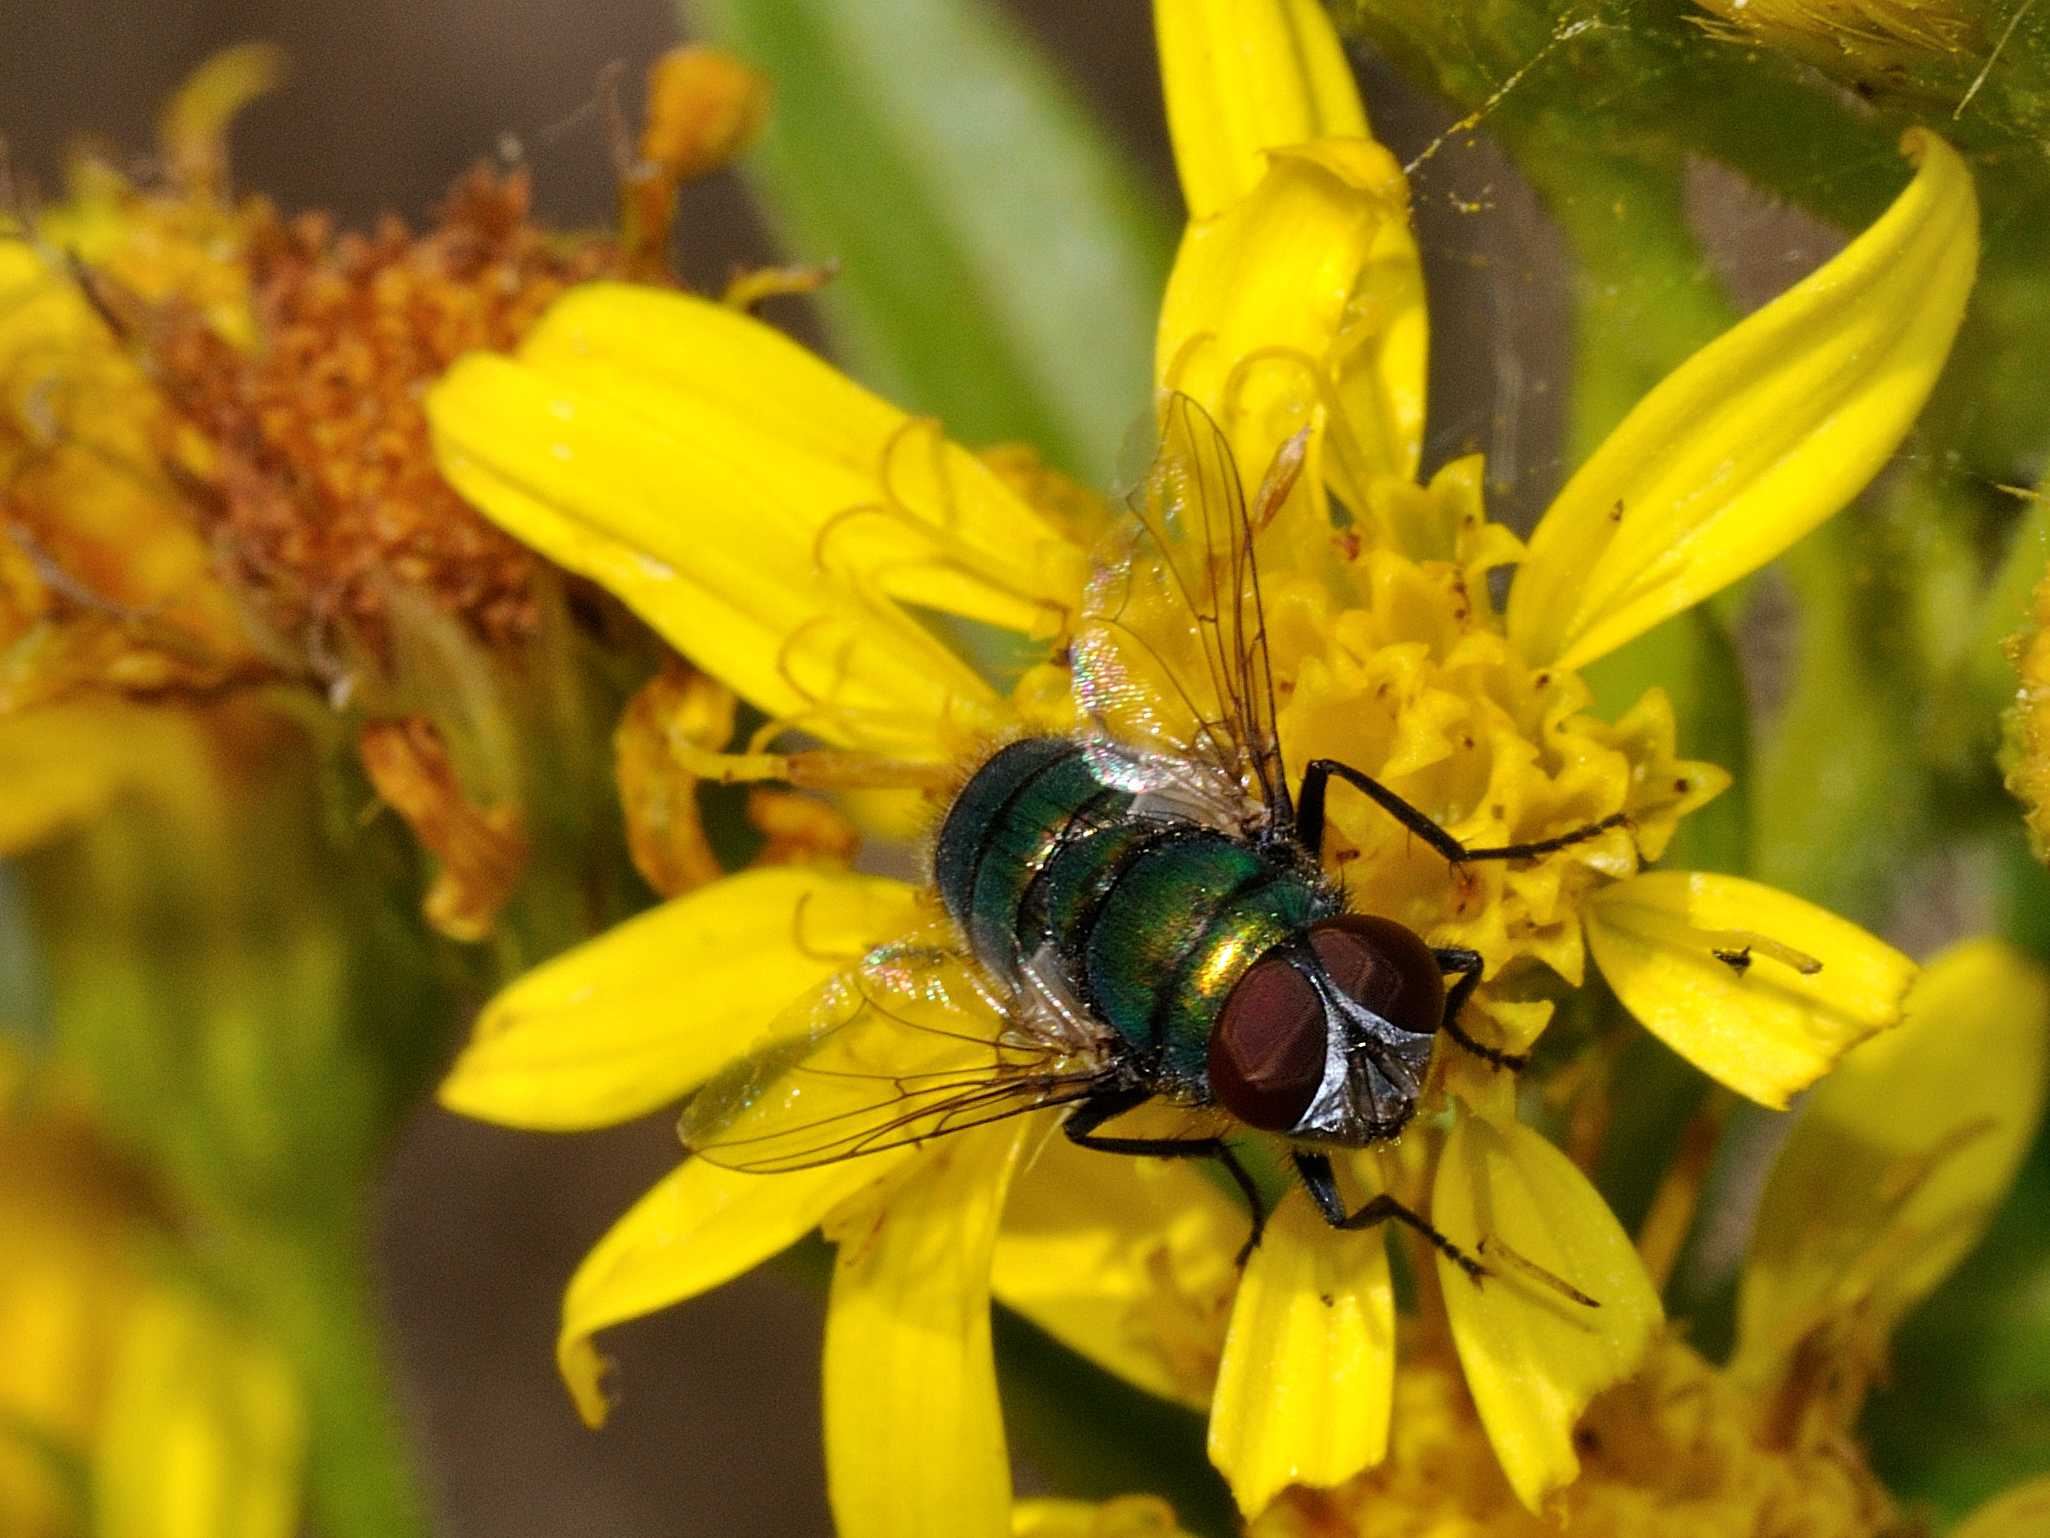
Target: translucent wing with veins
(1171, 661)
(909, 1044)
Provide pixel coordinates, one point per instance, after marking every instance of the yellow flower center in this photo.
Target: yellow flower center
(1675, 1452)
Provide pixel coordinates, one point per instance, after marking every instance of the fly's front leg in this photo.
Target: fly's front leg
(1095, 1111)
(1322, 1184)
(1310, 809)
(1467, 965)
(1310, 819)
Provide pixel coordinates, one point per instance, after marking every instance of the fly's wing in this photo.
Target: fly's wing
(909, 1044)
(1170, 657)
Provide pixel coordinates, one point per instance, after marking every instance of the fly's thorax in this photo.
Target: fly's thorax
(1179, 916)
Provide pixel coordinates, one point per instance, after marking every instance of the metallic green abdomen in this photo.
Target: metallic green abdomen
(1001, 830)
(1144, 919)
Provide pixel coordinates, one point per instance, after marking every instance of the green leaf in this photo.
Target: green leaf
(1000, 260)
(1968, 1409)
(1845, 795)
(1644, 299)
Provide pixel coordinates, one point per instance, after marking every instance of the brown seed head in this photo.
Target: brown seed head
(314, 443)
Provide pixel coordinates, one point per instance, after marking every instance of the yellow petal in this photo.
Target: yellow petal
(1260, 326)
(633, 1019)
(1900, 1156)
(60, 764)
(192, 129)
(1534, 1357)
(1308, 1377)
(1762, 1016)
(1761, 435)
(203, 1434)
(803, 445)
(699, 1226)
(914, 1437)
(1127, 1261)
(2022, 1512)
(1125, 1516)
(1243, 77)
(764, 513)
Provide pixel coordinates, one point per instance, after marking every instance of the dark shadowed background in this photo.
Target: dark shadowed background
(716, 1430)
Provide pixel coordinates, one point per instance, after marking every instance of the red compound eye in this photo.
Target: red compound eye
(1267, 1053)
(1384, 966)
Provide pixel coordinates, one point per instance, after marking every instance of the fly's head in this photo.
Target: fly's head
(1327, 1037)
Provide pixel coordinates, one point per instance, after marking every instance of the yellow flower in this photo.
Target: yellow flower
(780, 526)
(214, 467)
(131, 1404)
(1894, 1166)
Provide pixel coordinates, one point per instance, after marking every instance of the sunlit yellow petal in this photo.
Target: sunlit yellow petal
(1308, 1376)
(1757, 989)
(1900, 1156)
(1259, 324)
(1127, 1261)
(631, 1020)
(753, 504)
(1533, 1356)
(1243, 77)
(204, 1433)
(792, 444)
(1761, 435)
(914, 1437)
(699, 1226)
(613, 496)
(1126, 1516)
(2023, 1512)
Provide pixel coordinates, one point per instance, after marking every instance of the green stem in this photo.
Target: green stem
(316, 1293)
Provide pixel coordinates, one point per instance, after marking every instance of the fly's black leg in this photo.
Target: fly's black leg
(1322, 1184)
(1310, 818)
(1094, 1112)
(1546, 845)
(1467, 964)
(1310, 808)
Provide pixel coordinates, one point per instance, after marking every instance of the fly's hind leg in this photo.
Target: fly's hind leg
(1315, 1170)
(1098, 1109)
(1467, 965)
(1322, 1184)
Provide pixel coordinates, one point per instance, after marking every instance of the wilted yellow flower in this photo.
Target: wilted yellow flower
(214, 467)
(183, 1422)
(781, 527)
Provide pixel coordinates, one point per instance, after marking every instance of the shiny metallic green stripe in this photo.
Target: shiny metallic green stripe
(1262, 913)
(964, 835)
(1157, 911)
(1016, 844)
